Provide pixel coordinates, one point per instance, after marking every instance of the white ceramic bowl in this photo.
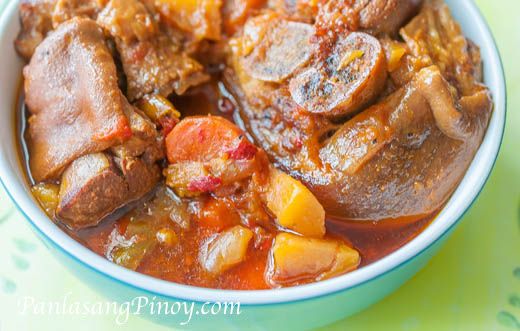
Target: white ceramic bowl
(300, 307)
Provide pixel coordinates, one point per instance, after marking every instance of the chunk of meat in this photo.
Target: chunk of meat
(434, 37)
(80, 110)
(226, 250)
(91, 188)
(453, 121)
(236, 12)
(39, 17)
(152, 62)
(322, 259)
(387, 161)
(128, 21)
(386, 16)
(201, 18)
(95, 185)
(139, 176)
(344, 80)
(298, 10)
(36, 22)
(64, 10)
(144, 134)
(275, 48)
(377, 17)
(401, 157)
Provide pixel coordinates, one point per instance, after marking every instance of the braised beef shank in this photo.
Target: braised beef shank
(404, 155)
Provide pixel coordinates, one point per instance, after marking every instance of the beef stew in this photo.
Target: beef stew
(247, 144)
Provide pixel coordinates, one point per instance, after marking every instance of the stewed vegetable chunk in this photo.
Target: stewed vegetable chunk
(299, 259)
(47, 195)
(226, 250)
(294, 206)
(206, 153)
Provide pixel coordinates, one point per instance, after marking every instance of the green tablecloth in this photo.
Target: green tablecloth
(472, 284)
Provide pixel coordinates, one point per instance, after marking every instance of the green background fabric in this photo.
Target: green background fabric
(472, 284)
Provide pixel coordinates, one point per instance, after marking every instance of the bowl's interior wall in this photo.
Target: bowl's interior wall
(10, 79)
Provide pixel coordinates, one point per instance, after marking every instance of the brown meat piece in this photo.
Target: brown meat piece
(96, 185)
(202, 19)
(378, 17)
(297, 10)
(36, 22)
(81, 110)
(281, 48)
(39, 17)
(404, 156)
(335, 78)
(139, 176)
(151, 61)
(144, 134)
(386, 16)
(91, 188)
(433, 37)
(343, 79)
(64, 10)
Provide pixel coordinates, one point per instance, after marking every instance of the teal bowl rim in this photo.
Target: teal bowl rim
(389, 270)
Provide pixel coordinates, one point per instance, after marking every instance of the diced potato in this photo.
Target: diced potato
(47, 195)
(200, 17)
(226, 250)
(297, 258)
(294, 205)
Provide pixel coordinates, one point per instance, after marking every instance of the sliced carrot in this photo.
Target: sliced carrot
(202, 138)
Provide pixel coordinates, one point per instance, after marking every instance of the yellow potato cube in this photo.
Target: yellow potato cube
(297, 258)
(294, 205)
